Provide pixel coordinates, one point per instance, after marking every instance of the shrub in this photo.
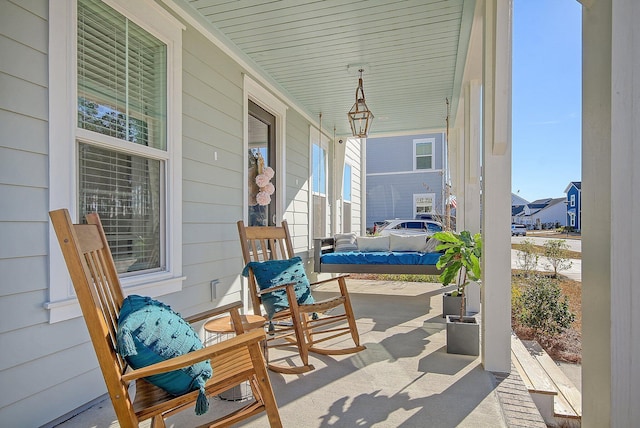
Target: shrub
(543, 309)
(516, 300)
(556, 253)
(527, 257)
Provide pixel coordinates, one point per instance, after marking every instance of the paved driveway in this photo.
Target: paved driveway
(573, 244)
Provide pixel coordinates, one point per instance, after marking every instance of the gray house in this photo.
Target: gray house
(405, 176)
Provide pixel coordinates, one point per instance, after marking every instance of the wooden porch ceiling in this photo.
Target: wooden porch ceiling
(413, 52)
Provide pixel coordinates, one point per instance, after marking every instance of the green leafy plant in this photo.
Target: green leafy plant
(527, 257)
(543, 308)
(556, 253)
(460, 261)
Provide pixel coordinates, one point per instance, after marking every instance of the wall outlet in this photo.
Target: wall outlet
(214, 283)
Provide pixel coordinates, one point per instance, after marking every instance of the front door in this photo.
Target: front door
(262, 157)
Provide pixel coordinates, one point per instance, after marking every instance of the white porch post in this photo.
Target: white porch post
(458, 150)
(611, 209)
(471, 165)
(470, 178)
(496, 184)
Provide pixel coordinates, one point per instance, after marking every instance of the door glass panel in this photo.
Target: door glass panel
(261, 161)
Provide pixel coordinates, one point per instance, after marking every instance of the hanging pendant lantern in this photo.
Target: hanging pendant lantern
(360, 117)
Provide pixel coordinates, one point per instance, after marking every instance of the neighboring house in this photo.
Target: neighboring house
(517, 200)
(517, 213)
(404, 176)
(517, 208)
(540, 214)
(574, 205)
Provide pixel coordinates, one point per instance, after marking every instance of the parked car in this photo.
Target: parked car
(518, 229)
(438, 218)
(377, 225)
(409, 227)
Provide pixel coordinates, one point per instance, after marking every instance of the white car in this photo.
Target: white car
(518, 229)
(409, 227)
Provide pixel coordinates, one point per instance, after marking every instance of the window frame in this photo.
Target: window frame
(64, 136)
(318, 139)
(417, 196)
(431, 142)
(349, 167)
(253, 91)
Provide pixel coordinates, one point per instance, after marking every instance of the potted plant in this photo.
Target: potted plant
(460, 263)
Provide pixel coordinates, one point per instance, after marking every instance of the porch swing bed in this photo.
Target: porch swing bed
(329, 258)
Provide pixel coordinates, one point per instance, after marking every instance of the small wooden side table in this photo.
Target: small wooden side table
(223, 329)
(223, 325)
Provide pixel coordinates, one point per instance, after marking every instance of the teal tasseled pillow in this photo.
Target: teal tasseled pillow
(150, 332)
(272, 273)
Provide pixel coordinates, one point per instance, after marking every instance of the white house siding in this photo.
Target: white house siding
(213, 159)
(352, 156)
(42, 366)
(297, 185)
(555, 212)
(51, 368)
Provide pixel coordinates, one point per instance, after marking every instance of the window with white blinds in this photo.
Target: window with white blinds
(115, 130)
(122, 90)
(125, 191)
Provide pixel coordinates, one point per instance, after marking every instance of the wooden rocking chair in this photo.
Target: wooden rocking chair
(97, 286)
(296, 325)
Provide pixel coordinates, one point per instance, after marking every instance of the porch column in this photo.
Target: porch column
(496, 184)
(470, 178)
(611, 209)
(471, 166)
(456, 169)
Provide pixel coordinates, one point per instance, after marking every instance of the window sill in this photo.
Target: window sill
(67, 309)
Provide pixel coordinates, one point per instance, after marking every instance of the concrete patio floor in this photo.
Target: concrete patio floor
(404, 378)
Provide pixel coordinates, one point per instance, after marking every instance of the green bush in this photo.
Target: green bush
(516, 300)
(527, 257)
(543, 308)
(556, 253)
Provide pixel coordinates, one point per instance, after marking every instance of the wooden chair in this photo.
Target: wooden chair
(296, 325)
(97, 286)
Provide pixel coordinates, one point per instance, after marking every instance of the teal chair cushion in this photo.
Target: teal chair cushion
(272, 273)
(150, 332)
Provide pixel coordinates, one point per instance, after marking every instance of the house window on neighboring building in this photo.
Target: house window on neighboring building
(423, 203)
(423, 153)
(572, 219)
(573, 200)
(121, 157)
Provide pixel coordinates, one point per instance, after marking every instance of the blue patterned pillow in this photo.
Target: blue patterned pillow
(272, 273)
(150, 332)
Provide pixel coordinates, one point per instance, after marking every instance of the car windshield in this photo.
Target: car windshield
(432, 227)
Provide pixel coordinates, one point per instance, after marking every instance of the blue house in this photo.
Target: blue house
(574, 204)
(404, 176)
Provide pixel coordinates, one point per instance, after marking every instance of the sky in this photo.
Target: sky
(547, 97)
